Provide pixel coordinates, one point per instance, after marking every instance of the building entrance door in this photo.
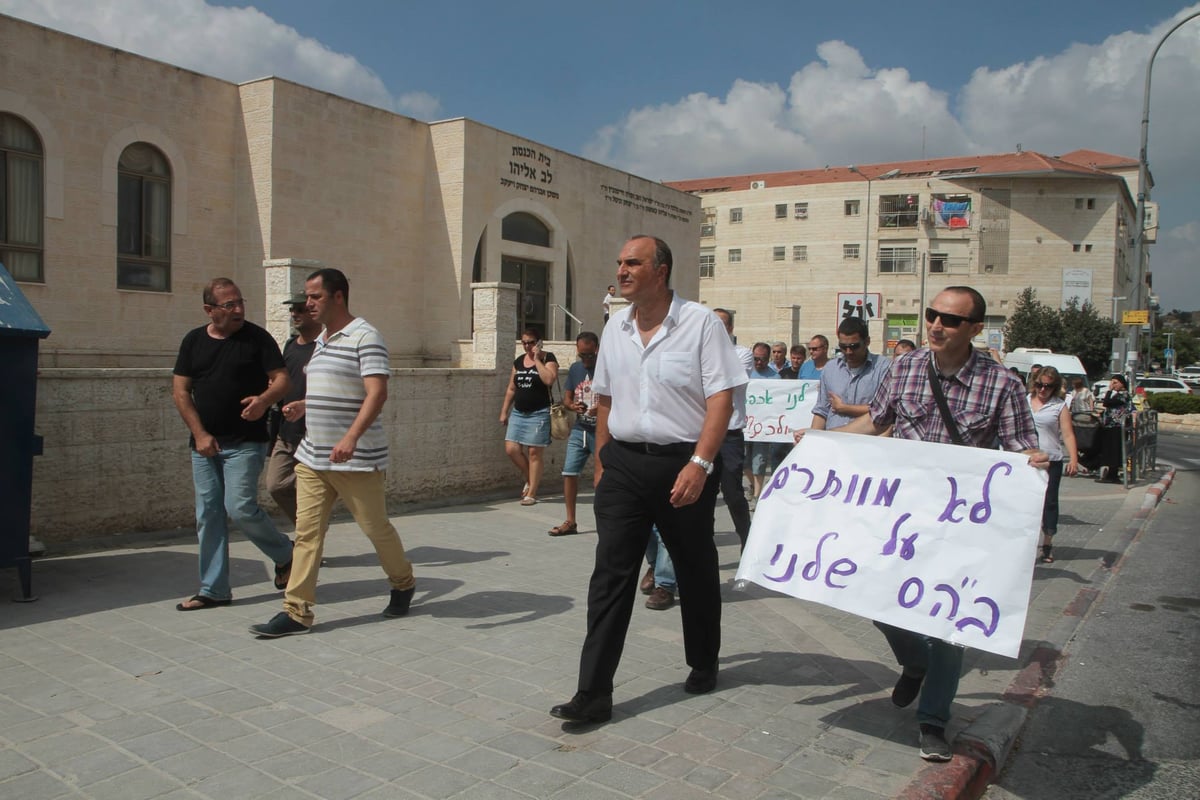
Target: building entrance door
(533, 298)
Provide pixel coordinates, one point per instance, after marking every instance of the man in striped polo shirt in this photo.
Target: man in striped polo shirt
(344, 453)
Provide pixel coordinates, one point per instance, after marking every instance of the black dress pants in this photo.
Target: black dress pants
(633, 496)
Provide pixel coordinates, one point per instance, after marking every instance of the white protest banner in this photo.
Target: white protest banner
(775, 408)
(933, 538)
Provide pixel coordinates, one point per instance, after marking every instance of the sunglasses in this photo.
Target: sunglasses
(948, 320)
(528, 343)
(850, 348)
(1041, 385)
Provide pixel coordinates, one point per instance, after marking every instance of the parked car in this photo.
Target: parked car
(1189, 375)
(1155, 384)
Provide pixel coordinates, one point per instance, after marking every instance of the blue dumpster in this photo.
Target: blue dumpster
(20, 330)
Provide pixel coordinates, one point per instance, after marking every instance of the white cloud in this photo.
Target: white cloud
(838, 110)
(236, 44)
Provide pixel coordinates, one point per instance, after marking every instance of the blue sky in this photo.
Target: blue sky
(674, 90)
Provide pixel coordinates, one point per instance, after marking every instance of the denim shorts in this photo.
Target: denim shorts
(580, 445)
(531, 430)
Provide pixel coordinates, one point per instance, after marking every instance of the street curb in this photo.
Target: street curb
(981, 749)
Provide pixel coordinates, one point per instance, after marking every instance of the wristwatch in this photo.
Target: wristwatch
(707, 466)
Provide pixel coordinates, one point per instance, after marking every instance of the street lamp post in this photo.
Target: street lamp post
(1139, 231)
(891, 173)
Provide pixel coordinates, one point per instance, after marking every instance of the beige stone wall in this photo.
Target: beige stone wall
(792, 300)
(87, 102)
(116, 457)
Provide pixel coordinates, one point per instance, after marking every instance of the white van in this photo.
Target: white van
(1023, 358)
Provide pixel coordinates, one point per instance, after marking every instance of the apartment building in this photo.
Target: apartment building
(792, 253)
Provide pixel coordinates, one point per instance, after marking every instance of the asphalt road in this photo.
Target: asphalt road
(1179, 450)
(1123, 718)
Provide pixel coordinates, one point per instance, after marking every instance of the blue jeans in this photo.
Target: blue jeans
(227, 484)
(941, 664)
(657, 555)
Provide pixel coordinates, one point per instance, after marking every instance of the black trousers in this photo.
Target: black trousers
(633, 496)
(733, 458)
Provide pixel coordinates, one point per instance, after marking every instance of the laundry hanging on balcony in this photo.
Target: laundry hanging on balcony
(951, 215)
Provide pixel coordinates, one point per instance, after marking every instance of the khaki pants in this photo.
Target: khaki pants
(363, 494)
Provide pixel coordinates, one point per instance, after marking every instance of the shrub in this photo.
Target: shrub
(1174, 402)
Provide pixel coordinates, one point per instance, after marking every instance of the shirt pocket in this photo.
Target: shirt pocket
(914, 413)
(676, 369)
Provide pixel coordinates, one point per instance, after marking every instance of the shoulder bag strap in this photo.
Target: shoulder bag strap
(935, 386)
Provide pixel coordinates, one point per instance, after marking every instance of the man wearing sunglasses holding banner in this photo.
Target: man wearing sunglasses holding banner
(849, 383)
(951, 393)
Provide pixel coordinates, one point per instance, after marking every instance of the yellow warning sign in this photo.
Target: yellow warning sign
(1135, 317)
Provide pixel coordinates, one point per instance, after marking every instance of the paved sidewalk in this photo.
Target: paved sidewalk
(106, 691)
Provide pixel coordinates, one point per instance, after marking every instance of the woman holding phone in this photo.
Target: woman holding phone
(526, 411)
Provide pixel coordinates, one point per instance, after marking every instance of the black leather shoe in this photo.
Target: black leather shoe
(906, 690)
(701, 681)
(585, 708)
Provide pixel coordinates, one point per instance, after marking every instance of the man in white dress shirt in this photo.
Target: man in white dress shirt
(663, 389)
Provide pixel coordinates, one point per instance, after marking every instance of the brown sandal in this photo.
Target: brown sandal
(565, 529)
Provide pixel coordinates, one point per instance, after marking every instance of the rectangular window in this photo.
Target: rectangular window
(708, 263)
(779, 253)
(800, 252)
(801, 210)
(21, 215)
(849, 251)
(781, 211)
(735, 216)
(897, 259)
(708, 230)
(1087, 248)
(1074, 248)
(1078, 202)
(898, 211)
(851, 207)
(1091, 202)
(937, 262)
(735, 255)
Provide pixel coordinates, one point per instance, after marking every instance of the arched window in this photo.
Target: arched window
(143, 219)
(525, 228)
(20, 199)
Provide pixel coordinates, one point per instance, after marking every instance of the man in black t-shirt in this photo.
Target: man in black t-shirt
(281, 466)
(228, 374)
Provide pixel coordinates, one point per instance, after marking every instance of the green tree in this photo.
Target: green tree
(1087, 335)
(1186, 345)
(1033, 324)
(1077, 330)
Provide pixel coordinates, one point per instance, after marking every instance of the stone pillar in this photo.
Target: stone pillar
(495, 311)
(615, 305)
(284, 277)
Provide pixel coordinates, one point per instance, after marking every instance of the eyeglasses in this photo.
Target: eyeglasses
(1041, 385)
(230, 306)
(849, 347)
(587, 355)
(528, 342)
(948, 320)
(761, 358)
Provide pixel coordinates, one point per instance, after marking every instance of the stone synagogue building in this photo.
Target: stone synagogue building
(129, 183)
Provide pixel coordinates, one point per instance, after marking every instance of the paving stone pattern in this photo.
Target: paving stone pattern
(106, 691)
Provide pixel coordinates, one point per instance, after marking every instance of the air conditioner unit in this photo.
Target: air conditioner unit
(925, 216)
(758, 184)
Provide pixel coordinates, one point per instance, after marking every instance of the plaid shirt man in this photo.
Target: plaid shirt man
(986, 401)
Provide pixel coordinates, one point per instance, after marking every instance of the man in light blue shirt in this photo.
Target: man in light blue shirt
(848, 384)
(818, 357)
